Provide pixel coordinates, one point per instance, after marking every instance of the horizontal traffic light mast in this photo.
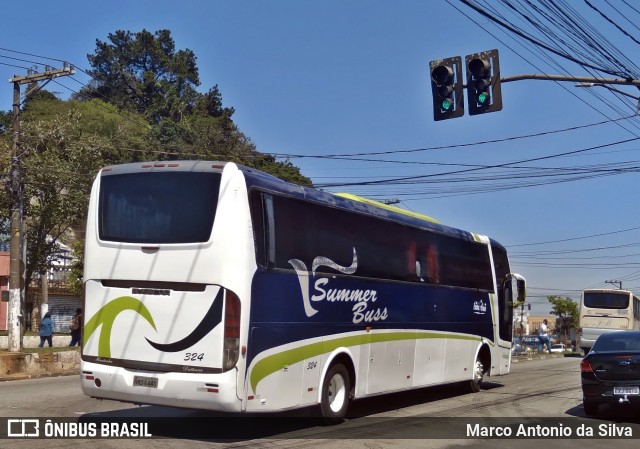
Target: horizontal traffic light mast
(575, 79)
(483, 84)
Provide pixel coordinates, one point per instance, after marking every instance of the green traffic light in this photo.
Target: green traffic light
(483, 98)
(446, 104)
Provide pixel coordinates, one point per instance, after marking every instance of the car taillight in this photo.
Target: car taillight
(585, 367)
(231, 330)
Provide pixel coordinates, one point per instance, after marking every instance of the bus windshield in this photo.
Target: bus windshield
(165, 207)
(606, 300)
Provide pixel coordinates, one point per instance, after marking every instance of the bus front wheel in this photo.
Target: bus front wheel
(335, 394)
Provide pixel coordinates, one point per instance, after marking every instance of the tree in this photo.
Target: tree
(145, 74)
(567, 310)
(64, 144)
(5, 122)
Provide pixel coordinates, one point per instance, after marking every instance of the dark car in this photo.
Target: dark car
(611, 371)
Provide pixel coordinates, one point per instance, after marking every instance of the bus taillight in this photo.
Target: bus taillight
(231, 330)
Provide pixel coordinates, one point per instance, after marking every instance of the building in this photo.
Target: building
(61, 303)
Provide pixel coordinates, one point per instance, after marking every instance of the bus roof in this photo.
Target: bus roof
(352, 202)
(387, 206)
(260, 179)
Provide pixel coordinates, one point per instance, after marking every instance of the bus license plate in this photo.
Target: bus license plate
(626, 390)
(141, 381)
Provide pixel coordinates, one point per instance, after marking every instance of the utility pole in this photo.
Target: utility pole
(615, 282)
(16, 286)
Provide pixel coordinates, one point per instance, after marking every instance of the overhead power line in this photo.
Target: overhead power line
(576, 238)
(506, 164)
(460, 145)
(539, 43)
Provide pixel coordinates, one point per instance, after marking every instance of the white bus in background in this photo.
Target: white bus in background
(213, 286)
(606, 310)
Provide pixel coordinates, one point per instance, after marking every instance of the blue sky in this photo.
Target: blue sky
(316, 78)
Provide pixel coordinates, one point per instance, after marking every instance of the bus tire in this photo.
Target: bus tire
(478, 376)
(336, 389)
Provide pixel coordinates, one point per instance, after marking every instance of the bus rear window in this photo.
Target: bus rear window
(602, 300)
(176, 207)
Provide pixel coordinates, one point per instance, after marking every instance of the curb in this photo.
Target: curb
(25, 376)
(517, 359)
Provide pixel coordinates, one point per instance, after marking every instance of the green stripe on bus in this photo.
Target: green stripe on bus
(107, 315)
(276, 362)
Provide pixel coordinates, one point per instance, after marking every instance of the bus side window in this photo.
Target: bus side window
(413, 265)
(270, 233)
(258, 221)
(433, 265)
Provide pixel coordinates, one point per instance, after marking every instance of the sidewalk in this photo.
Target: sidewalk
(32, 341)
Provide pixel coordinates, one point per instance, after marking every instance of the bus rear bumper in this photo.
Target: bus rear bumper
(184, 390)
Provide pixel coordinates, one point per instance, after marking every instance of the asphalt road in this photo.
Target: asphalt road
(538, 393)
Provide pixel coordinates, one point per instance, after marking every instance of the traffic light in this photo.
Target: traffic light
(446, 86)
(483, 82)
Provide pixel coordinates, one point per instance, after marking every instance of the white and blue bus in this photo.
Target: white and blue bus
(210, 285)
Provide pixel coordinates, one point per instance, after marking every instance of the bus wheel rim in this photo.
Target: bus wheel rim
(337, 393)
(478, 372)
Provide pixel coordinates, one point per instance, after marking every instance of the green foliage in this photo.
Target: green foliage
(65, 143)
(283, 170)
(5, 123)
(564, 308)
(77, 268)
(143, 72)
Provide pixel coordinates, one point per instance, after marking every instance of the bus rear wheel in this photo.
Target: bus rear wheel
(336, 389)
(478, 376)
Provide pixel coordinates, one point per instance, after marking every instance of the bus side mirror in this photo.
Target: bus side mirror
(521, 287)
(522, 290)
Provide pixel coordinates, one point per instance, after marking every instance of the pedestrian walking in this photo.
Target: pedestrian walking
(543, 337)
(46, 330)
(75, 326)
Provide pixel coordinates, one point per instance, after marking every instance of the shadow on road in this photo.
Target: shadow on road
(301, 423)
(623, 413)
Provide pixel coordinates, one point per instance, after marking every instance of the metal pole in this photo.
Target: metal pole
(571, 78)
(615, 282)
